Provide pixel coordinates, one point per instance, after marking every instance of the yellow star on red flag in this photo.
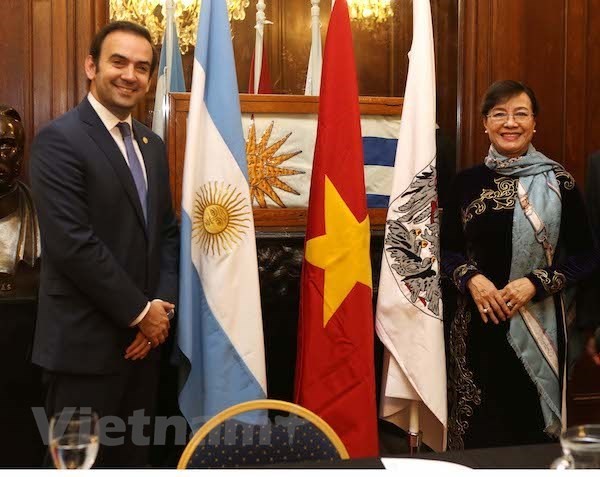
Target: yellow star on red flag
(343, 252)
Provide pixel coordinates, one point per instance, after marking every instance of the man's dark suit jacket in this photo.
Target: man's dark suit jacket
(101, 264)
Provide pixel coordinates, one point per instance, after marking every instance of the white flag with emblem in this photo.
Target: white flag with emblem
(409, 307)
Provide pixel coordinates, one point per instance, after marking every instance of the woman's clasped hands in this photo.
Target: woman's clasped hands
(499, 305)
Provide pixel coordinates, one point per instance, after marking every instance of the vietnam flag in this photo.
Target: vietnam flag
(335, 375)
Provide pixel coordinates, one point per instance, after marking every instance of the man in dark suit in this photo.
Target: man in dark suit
(100, 181)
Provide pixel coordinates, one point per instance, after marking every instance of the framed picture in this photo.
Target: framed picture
(280, 133)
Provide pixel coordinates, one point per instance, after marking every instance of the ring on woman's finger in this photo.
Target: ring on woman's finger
(485, 310)
(509, 304)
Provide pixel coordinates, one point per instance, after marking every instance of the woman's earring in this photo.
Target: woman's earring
(486, 131)
(535, 130)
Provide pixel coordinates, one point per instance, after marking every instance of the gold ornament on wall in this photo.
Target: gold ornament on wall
(237, 9)
(152, 15)
(370, 13)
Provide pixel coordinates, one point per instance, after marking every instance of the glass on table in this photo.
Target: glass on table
(74, 438)
(581, 448)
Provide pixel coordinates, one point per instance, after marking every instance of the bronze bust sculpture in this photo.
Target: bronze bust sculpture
(19, 231)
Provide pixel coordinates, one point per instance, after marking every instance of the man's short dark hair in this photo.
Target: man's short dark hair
(502, 91)
(96, 46)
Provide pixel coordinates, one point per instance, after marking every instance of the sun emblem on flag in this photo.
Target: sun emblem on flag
(264, 167)
(221, 218)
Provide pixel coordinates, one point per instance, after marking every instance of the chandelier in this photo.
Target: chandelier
(237, 9)
(152, 15)
(370, 13)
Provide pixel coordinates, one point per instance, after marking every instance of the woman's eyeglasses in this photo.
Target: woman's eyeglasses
(502, 117)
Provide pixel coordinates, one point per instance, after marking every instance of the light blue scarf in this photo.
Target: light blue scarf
(536, 174)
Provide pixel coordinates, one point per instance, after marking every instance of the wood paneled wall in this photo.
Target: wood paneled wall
(552, 46)
(15, 60)
(43, 44)
(15, 48)
(381, 54)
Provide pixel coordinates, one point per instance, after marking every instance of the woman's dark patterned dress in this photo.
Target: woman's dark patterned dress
(492, 400)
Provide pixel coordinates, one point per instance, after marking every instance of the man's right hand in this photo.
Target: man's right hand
(155, 325)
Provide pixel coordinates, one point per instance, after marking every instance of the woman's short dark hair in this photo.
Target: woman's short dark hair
(96, 45)
(502, 91)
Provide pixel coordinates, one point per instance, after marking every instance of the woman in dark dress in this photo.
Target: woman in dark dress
(514, 241)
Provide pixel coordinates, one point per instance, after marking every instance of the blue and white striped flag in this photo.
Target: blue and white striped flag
(170, 74)
(220, 325)
(295, 135)
(380, 141)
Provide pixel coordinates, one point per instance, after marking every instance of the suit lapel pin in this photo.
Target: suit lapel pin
(145, 139)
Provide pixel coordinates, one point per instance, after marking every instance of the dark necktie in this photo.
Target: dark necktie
(134, 165)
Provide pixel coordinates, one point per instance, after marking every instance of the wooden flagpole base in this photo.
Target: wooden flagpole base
(414, 442)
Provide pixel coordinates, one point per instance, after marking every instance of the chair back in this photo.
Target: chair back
(262, 433)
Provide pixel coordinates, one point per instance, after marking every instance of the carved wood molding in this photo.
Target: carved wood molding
(288, 103)
(295, 219)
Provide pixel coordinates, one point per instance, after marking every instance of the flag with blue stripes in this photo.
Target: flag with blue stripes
(379, 148)
(220, 325)
(170, 66)
(283, 147)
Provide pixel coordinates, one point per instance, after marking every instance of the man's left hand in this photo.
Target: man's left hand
(139, 347)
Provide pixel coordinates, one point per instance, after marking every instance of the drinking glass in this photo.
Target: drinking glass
(581, 448)
(74, 438)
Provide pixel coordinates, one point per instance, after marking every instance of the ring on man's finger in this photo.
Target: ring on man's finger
(149, 343)
(509, 304)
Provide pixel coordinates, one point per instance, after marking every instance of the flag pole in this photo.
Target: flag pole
(261, 21)
(415, 434)
(167, 39)
(315, 13)
(313, 74)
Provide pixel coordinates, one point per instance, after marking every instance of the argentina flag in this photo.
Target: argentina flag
(220, 326)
